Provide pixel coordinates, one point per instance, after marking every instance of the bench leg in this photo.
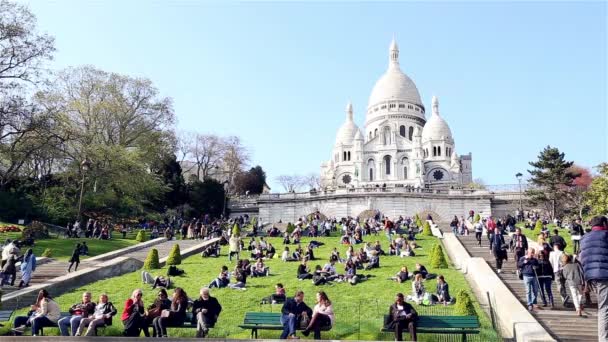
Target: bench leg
(464, 337)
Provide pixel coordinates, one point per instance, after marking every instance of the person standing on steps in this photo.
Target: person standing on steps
(577, 233)
(518, 244)
(545, 279)
(478, 226)
(527, 265)
(575, 280)
(28, 266)
(594, 248)
(499, 249)
(75, 259)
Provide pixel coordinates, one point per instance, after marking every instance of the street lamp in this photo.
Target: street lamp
(225, 197)
(518, 176)
(84, 166)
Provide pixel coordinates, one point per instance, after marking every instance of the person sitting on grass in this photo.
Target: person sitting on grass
(222, 280)
(392, 248)
(374, 261)
(319, 277)
(378, 248)
(277, 297)
(45, 312)
(293, 310)
(240, 279)
(330, 270)
(303, 271)
(77, 313)
(350, 274)
(407, 251)
(322, 316)
(274, 232)
(402, 276)
(175, 316)
(286, 240)
(309, 254)
(402, 315)
(286, 255)
(418, 291)
(297, 253)
(335, 255)
(246, 267)
(270, 251)
(420, 269)
(443, 291)
(102, 316)
(259, 269)
(205, 312)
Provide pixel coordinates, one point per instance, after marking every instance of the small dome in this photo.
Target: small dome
(348, 130)
(358, 135)
(436, 128)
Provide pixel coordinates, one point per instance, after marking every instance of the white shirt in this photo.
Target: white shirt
(555, 258)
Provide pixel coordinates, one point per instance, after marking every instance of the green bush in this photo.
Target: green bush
(236, 230)
(291, 227)
(426, 229)
(476, 218)
(175, 256)
(437, 257)
(464, 305)
(141, 236)
(254, 222)
(48, 253)
(36, 231)
(152, 262)
(538, 227)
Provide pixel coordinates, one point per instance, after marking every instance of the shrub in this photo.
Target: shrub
(464, 305)
(538, 227)
(254, 222)
(48, 253)
(437, 257)
(426, 229)
(141, 236)
(152, 262)
(175, 256)
(290, 227)
(236, 230)
(476, 218)
(36, 231)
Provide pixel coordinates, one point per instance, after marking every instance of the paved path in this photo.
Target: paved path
(52, 269)
(562, 323)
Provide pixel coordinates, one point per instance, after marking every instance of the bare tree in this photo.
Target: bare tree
(235, 159)
(291, 183)
(313, 180)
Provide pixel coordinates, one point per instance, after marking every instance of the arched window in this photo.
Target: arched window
(439, 151)
(387, 165)
(387, 135)
(411, 132)
(405, 172)
(370, 135)
(376, 132)
(402, 131)
(348, 155)
(370, 167)
(434, 151)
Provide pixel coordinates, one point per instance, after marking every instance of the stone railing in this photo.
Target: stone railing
(367, 190)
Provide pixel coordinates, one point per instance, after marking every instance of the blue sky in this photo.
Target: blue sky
(511, 77)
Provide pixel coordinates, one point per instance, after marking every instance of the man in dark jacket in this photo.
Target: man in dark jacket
(293, 310)
(527, 266)
(593, 257)
(557, 240)
(518, 244)
(577, 233)
(77, 312)
(402, 315)
(205, 312)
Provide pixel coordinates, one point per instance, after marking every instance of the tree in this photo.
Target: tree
(552, 178)
(437, 257)
(290, 183)
(313, 181)
(426, 229)
(464, 305)
(477, 183)
(175, 256)
(207, 197)
(235, 158)
(170, 172)
(205, 152)
(597, 196)
(141, 236)
(152, 262)
(251, 182)
(580, 186)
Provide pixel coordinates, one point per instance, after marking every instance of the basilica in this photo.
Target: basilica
(399, 145)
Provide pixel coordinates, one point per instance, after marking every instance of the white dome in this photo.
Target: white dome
(436, 128)
(358, 135)
(348, 130)
(394, 84)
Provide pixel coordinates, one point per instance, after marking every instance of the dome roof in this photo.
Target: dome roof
(394, 84)
(436, 128)
(348, 130)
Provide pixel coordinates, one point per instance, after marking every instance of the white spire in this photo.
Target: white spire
(349, 111)
(435, 104)
(393, 53)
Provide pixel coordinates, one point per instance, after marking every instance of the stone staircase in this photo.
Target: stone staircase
(562, 323)
(47, 271)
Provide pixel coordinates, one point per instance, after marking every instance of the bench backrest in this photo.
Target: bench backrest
(262, 318)
(455, 322)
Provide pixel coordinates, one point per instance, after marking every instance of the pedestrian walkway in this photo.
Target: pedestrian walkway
(46, 272)
(562, 323)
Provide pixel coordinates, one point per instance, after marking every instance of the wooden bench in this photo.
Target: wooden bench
(63, 315)
(5, 315)
(266, 321)
(461, 325)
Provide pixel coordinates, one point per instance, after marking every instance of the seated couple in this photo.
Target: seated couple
(295, 313)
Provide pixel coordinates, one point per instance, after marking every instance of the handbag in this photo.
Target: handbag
(165, 313)
(304, 320)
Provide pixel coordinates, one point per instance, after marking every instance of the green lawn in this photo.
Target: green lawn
(62, 248)
(359, 309)
(563, 232)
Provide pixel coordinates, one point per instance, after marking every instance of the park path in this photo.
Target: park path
(46, 271)
(562, 323)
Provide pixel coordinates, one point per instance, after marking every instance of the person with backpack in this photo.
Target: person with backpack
(527, 266)
(28, 266)
(518, 244)
(499, 249)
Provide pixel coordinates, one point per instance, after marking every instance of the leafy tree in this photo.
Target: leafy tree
(170, 172)
(175, 256)
(437, 258)
(597, 196)
(207, 197)
(538, 227)
(141, 236)
(426, 229)
(152, 262)
(552, 178)
(464, 305)
(236, 230)
(290, 227)
(580, 186)
(251, 182)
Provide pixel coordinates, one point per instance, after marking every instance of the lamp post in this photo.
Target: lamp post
(225, 197)
(518, 176)
(84, 167)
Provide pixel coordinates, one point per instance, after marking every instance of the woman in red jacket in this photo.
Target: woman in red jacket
(133, 315)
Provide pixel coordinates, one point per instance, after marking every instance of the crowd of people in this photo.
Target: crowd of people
(11, 255)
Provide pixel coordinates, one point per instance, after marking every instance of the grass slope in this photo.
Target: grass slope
(359, 309)
(563, 232)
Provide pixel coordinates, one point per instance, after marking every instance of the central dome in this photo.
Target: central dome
(394, 84)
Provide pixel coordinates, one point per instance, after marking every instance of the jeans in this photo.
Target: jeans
(545, 289)
(531, 289)
(601, 288)
(289, 325)
(72, 322)
(39, 322)
(92, 324)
